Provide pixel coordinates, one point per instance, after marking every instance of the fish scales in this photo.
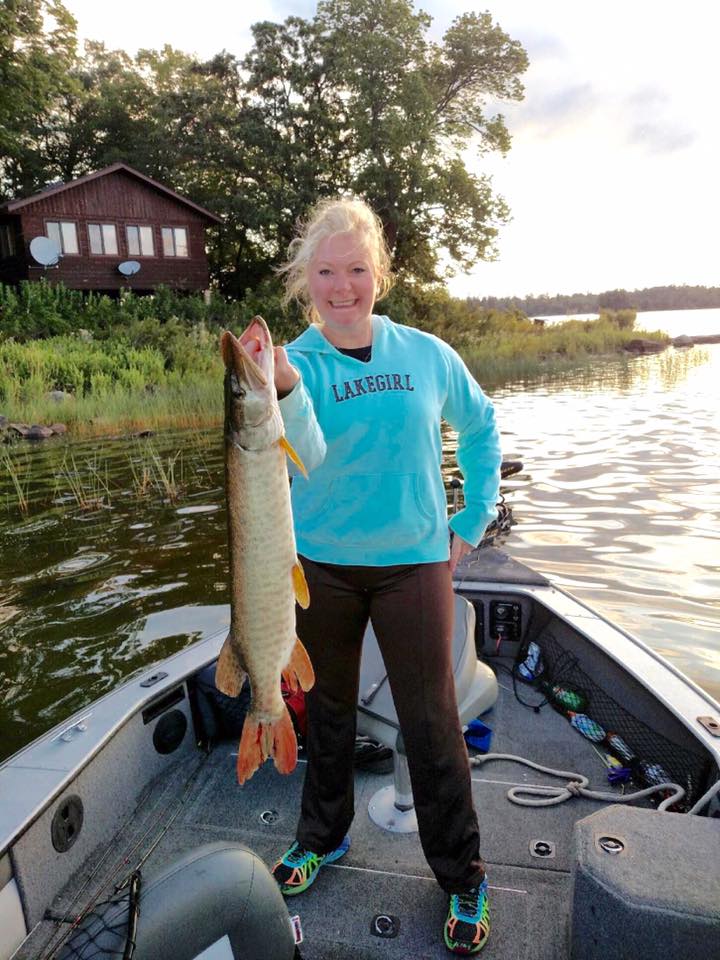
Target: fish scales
(265, 575)
(261, 561)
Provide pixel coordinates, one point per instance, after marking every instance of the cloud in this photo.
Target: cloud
(553, 109)
(659, 137)
(541, 46)
(650, 124)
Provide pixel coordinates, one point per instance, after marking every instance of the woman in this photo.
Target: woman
(362, 399)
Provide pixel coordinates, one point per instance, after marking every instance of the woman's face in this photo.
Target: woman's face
(341, 280)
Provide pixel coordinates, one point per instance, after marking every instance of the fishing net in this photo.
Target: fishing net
(108, 931)
(648, 756)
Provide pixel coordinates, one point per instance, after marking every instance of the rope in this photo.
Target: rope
(577, 786)
(705, 798)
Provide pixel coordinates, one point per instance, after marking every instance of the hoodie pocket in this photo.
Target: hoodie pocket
(376, 509)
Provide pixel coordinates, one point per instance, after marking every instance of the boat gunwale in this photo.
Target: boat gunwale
(545, 595)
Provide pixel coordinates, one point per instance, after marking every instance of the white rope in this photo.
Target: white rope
(705, 798)
(577, 786)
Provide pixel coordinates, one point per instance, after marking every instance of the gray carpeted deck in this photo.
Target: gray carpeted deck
(385, 873)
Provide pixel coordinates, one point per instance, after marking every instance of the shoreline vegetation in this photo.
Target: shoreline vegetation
(107, 366)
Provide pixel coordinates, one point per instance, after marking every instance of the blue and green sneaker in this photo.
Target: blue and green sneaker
(468, 921)
(298, 867)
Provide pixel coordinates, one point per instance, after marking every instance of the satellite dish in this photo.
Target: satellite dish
(44, 251)
(128, 268)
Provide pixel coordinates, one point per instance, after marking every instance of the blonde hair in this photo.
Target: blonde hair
(326, 219)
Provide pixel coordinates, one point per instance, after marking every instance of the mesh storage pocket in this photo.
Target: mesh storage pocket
(654, 754)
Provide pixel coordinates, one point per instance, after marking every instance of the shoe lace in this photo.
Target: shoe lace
(469, 901)
(297, 855)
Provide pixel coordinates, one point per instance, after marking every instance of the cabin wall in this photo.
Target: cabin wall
(123, 200)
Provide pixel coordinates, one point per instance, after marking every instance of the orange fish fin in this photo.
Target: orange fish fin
(284, 744)
(302, 593)
(262, 740)
(229, 673)
(299, 666)
(288, 448)
(250, 753)
(290, 678)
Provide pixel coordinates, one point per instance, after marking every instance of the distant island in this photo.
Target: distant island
(651, 298)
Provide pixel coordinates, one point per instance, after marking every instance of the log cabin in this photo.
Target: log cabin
(102, 220)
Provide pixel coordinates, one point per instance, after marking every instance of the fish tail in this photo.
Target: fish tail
(261, 740)
(299, 669)
(229, 673)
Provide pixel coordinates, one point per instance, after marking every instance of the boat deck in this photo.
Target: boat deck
(199, 801)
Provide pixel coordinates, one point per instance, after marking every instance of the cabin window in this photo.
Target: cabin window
(140, 241)
(63, 233)
(103, 238)
(8, 247)
(174, 241)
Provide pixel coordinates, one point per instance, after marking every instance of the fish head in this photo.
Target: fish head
(252, 415)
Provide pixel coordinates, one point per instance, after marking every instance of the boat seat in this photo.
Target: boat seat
(392, 807)
(216, 902)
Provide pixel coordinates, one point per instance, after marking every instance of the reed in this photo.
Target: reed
(20, 481)
(164, 473)
(88, 487)
(166, 480)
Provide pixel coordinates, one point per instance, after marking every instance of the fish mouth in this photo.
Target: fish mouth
(250, 355)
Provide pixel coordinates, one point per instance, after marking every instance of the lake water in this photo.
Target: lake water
(619, 502)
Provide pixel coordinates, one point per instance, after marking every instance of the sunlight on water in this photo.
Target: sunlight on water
(620, 497)
(619, 502)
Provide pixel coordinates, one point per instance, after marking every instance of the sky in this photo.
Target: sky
(612, 178)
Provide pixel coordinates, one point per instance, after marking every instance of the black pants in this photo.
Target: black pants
(411, 607)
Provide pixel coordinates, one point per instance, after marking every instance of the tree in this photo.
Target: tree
(360, 100)
(37, 52)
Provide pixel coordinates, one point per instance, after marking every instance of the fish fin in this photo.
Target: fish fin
(229, 673)
(284, 744)
(299, 668)
(302, 593)
(262, 740)
(288, 448)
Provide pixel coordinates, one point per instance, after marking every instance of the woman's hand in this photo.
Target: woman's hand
(458, 550)
(286, 376)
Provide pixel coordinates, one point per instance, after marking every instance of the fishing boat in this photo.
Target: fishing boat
(595, 773)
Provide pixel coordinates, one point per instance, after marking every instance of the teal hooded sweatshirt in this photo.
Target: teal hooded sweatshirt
(369, 435)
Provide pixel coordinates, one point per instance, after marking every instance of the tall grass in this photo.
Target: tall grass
(145, 367)
(109, 386)
(19, 479)
(88, 485)
(528, 350)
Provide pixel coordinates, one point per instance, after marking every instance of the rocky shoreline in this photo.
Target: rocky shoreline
(11, 430)
(656, 346)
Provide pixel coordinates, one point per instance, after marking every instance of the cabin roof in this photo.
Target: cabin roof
(12, 206)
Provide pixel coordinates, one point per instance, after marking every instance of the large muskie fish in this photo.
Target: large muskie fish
(265, 575)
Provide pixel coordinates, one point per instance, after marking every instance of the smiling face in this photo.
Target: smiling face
(341, 281)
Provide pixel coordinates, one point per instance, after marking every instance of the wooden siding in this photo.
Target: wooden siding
(123, 200)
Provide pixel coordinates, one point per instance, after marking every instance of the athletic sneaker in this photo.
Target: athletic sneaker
(468, 921)
(297, 869)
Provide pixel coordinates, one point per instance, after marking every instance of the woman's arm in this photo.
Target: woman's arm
(479, 456)
(301, 426)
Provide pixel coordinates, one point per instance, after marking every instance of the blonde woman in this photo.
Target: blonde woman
(362, 398)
